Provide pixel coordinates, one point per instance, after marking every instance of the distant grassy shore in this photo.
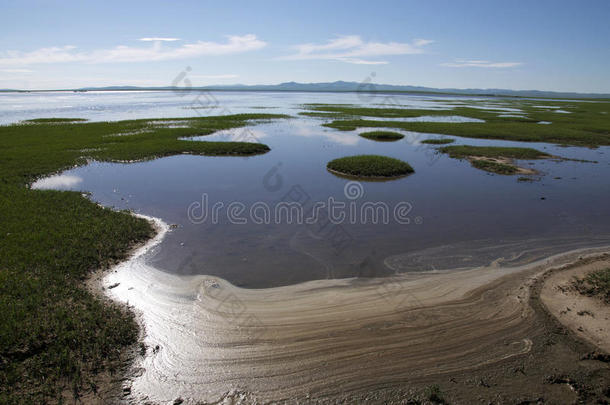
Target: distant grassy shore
(57, 337)
(370, 166)
(580, 123)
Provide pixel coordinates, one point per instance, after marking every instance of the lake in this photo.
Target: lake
(232, 217)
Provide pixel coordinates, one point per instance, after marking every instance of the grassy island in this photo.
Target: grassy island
(370, 166)
(382, 136)
(495, 159)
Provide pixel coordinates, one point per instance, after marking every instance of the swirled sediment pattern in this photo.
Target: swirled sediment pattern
(207, 337)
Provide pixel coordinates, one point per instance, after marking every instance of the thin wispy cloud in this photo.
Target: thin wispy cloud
(217, 77)
(461, 63)
(162, 39)
(352, 49)
(16, 71)
(156, 52)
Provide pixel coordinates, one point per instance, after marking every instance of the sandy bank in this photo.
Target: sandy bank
(210, 340)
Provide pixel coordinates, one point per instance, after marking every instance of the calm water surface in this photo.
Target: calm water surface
(457, 216)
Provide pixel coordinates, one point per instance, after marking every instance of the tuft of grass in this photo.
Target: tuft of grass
(383, 136)
(438, 141)
(595, 284)
(463, 151)
(494, 167)
(434, 394)
(57, 336)
(371, 166)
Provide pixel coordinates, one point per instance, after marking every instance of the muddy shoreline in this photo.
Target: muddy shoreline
(478, 334)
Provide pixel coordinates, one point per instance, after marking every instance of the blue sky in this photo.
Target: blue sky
(545, 45)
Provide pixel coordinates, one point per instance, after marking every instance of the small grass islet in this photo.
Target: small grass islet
(382, 136)
(369, 167)
(438, 141)
(57, 336)
(495, 159)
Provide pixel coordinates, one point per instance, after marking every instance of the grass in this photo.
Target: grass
(374, 166)
(464, 151)
(482, 157)
(494, 167)
(383, 136)
(595, 284)
(57, 337)
(434, 394)
(438, 141)
(587, 124)
(54, 120)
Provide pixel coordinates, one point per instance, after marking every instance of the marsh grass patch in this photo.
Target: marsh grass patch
(57, 336)
(370, 166)
(382, 136)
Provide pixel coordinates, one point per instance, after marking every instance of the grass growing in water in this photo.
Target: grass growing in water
(494, 167)
(463, 151)
(585, 124)
(440, 141)
(383, 136)
(494, 159)
(56, 335)
(373, 166)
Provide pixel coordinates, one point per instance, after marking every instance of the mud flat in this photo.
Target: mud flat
(478, 332)
(587, 317)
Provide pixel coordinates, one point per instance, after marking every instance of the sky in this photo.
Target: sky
(544, 45)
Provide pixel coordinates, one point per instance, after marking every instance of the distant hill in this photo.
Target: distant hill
(342, 86)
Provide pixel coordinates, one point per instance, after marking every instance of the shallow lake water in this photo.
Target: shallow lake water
(232, 215)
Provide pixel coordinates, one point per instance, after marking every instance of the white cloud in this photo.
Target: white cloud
(219, 77)
(16, 71)
(159, 39)
(460, 63)
(352, 49)
(122, 53)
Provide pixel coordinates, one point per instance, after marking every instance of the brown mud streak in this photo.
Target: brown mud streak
(492, 341)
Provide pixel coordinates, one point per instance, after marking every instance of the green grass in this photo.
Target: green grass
(434, 394)
(595, 284)
(320, 114)
(383, 136)
(370, 166)
(54, 120)
(493, 152)
(56, 335)
(587, 124)
(464, 151)
(494, 167)
(438, 141)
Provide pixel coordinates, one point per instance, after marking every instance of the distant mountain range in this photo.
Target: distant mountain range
(342, 86)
